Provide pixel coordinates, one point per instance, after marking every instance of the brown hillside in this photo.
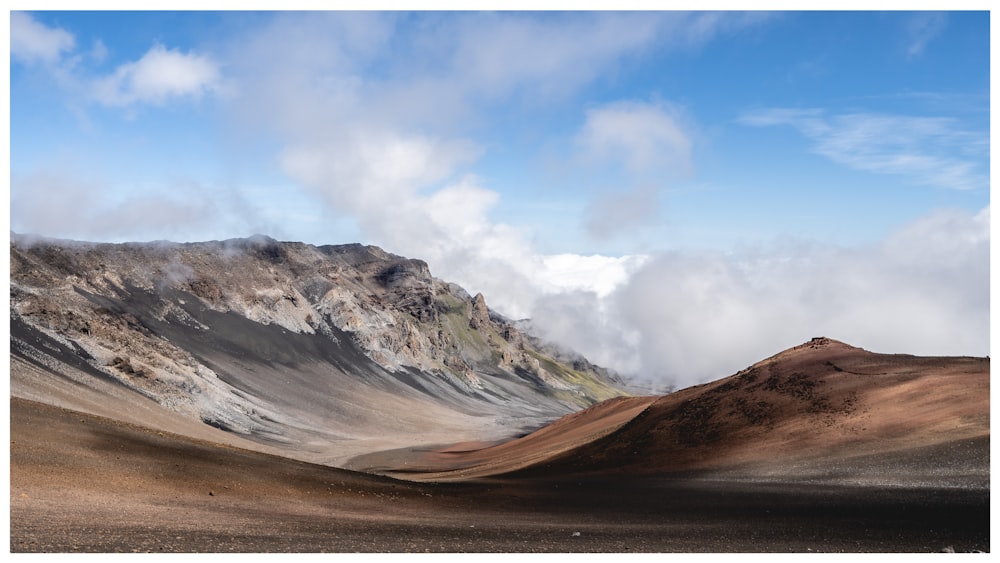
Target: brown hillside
(468, 460)
(805, 411)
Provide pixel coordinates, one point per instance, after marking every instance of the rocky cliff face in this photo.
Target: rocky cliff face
(282, 342)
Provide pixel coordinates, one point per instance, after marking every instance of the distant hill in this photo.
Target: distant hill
(823, 411)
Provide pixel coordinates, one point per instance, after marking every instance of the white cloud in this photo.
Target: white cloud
(646, 137)
(160, 75)
(591, 326)
(365, 172)
(301, 76)
(438, 71)
(934, 151)
(595, 273)
(402, 192)
(945, 238)
(494, 54)
(649, 143)
(33, 42)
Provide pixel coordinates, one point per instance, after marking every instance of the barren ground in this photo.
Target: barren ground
(90, 484)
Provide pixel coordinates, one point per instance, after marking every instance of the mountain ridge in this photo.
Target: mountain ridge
(283, 342)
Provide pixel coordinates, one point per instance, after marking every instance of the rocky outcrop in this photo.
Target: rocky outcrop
(479, 315)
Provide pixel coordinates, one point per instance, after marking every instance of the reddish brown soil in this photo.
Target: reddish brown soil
(790, 415)
(468, 460)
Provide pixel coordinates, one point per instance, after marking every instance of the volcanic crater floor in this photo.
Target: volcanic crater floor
(82, 483)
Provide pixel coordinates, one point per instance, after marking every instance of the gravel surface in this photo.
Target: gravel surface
(80, 483)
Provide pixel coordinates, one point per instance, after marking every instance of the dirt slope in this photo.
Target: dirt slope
(822, 410)
(469, 460)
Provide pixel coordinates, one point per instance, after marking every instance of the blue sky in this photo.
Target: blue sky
(555, 161)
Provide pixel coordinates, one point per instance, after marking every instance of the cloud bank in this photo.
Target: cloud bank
(687, 318)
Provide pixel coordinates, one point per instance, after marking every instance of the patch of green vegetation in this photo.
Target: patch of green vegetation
(470, 341)
(448, 304)
(474, 345)
(588, 384)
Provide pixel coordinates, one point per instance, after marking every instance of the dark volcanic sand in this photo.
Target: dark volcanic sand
(83, 483)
